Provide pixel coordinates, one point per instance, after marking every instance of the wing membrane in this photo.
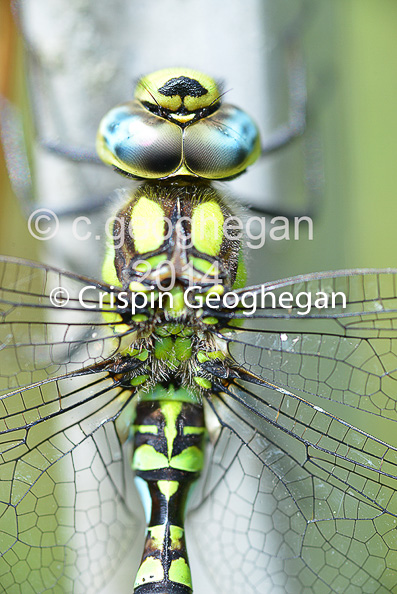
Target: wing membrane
(40, 340)
(67, 506)
(68, 511)
(302, 499)
(348, 355)
(295, 497)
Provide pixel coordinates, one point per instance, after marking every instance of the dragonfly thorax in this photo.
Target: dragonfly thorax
(178, 354)
(168, 235)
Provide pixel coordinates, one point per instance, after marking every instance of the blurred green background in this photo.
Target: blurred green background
(367, 60)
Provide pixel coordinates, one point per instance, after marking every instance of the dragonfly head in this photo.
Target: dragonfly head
(177, 126)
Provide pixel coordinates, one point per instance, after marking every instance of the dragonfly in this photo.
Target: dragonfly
(265, 411)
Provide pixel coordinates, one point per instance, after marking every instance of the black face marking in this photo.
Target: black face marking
(183, 86)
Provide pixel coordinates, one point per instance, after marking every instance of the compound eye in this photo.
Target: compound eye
(221, 145)
(138, 142)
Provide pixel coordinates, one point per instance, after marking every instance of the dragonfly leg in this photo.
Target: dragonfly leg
(19, 171)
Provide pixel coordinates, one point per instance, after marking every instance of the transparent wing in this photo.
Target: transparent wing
(51, 322)
(68, 512)
(346, 354)
(296, 498)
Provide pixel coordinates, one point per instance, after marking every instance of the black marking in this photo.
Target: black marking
(163, 587)
(184, 87)
(167, 511)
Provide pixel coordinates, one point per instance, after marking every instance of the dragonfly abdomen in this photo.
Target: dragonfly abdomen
(168, 458)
